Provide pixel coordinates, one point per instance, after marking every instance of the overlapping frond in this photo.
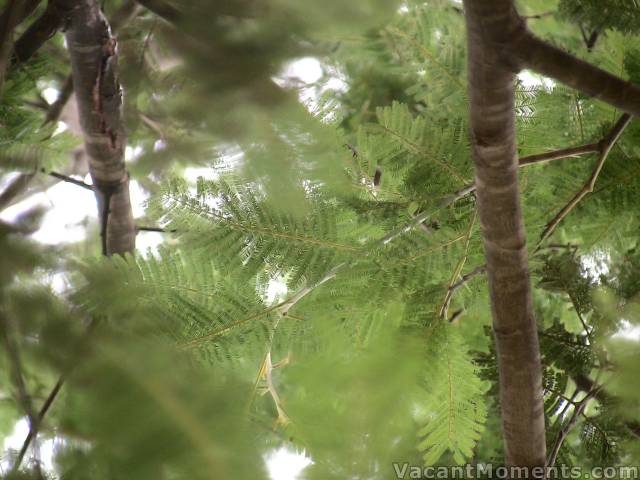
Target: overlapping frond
(455, 410)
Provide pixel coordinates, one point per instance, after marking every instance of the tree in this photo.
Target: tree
(364, 212)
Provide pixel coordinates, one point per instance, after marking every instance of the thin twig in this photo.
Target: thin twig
(532, 160)
(457, 285)
(17, 374)
(564, 431)
(559, 154)
(582, 320)
(605, 148)
(22, 181)
(568, 401)
(572, 247)
(456, 273)
(583, 32)
(53, 394)
(456, 315)
(593, 38)
(66, 178)
(538, 16)
(155, 229)
(472, 274)
(145, 45)
(41, 414)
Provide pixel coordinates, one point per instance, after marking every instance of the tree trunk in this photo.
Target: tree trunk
(93, 54)
(491, 25)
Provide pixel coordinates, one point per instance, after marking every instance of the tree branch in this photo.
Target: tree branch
(18, 379)
(45, 27)
(538, 16)
(41, 414)
(53, 394)
(28, 7)
(8, 20)
(531, 52)
(155, 229)
(163, 9)
(584, 383)
(604, 146)
(564, 431)
(17, 374)
(18, 186)
(589, 40)
(456, 273)
(531, 160)
(559, 154)
(68, 179)
(463, 280)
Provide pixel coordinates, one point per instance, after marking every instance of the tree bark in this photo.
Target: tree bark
(93, 55)
(491, 27)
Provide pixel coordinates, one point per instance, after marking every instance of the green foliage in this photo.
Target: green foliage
(354, 410)
(245, 231)
(620, 15)
(183, 363)
(455, 411)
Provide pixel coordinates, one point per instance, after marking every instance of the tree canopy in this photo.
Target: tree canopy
(425, 255)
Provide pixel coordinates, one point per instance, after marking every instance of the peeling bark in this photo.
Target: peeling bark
(93, 54)
(491, 26)
(120, 17)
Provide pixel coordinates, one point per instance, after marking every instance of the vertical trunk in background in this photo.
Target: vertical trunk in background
(491, 24)
(93, 53)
